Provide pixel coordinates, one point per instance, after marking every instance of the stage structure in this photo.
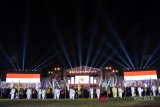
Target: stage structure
(83, 75)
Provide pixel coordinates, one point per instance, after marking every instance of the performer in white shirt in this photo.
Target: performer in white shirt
(140, 91)
(120, 92)
(115, 92)
(12, 93)
(56, 93)
(72, 93)
(98, 91)
(91, 92)
(133, 91)
(154, 90)
(29, 93)
(43, 93)
(39, 93)
(159, 90)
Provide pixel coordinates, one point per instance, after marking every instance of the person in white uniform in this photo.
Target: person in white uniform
(56, 93)
(98, 91)
(39, 93)
(29, 93)
(115, 92)
(140, 91)
(12, 93)
(154, 90)
(158, 90)
(120, 92)
(43, 93)
(72, 93)
(133, 91)
(91, 92)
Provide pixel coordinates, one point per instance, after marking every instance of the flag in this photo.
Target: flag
(29, 85)
(66, 85)
(89, 85)
(100, 82)
(130, 82)
(124, 83)
(0, 81)
(79, 88)
(44, 84)
(12, 84)
(115, 81)
(18, 86)
(150, 83)
(50, 85)
(105, 83)
(37, 86)
(145, 82)
(53, 85)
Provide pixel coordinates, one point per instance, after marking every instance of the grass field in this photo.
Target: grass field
(79, 102)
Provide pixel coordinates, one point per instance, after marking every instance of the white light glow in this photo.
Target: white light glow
(72, 80)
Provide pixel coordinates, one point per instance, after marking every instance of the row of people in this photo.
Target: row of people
(73, 92)
(133, 91)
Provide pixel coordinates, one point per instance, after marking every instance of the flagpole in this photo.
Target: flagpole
(65, 93)
(145, 86)
(125, 87)
(18, 90)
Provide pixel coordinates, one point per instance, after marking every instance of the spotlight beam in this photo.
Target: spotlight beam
(46, 65)
(143, 52)
(64, 48)
(47, 60)
(107, 59)
(78, 25)
(7, 57)
(60, 39)
(24, 51)
(90, 45)
(115, 34)
(79, 39)
(100, 59)
(98, 51)
(42, 59)
(117, 62)
(153, 53)
(153, 62)
(25, 36)
(120, 56)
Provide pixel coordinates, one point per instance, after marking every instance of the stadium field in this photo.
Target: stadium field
(127, 102)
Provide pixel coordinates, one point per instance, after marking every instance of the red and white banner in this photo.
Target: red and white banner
(140, 75)
(23, 78)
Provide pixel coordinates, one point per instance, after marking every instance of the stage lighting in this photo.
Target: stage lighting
(106, 68)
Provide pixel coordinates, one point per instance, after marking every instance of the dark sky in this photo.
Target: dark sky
(43, 34)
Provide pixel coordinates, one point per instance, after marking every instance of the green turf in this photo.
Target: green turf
(76, 102)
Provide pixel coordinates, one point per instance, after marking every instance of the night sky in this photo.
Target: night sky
(43, 34)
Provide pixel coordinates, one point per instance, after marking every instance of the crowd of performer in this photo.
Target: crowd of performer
(75, 93)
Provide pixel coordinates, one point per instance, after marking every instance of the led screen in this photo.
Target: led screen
(82, 79)
(22, 78)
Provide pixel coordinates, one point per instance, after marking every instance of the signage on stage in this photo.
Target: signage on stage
(81, 72)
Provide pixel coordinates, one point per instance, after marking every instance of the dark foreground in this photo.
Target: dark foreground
(129, 102)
